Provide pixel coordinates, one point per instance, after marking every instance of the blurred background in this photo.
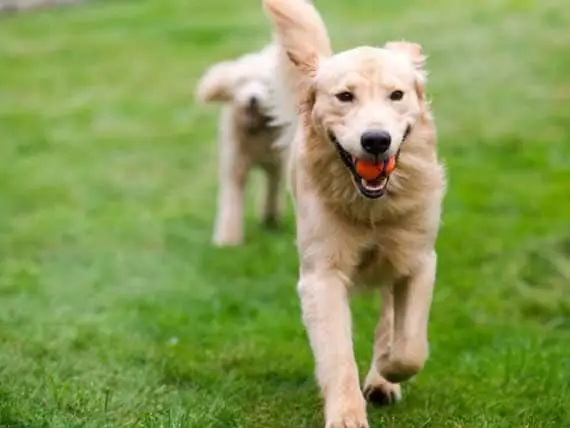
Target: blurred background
(117, 311)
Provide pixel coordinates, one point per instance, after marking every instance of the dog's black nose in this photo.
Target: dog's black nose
(253, 102)
(375, 142)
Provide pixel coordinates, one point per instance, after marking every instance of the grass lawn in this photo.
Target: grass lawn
(117, 312)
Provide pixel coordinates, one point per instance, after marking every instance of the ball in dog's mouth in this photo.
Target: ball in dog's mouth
(374, 175)
(371, 178)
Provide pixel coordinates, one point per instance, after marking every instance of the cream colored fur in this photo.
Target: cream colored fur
(247, 139)
(343, 238)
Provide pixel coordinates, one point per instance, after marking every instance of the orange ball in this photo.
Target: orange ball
(369, 170)
(390, 165)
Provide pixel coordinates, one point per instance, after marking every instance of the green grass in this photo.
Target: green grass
(116, 311)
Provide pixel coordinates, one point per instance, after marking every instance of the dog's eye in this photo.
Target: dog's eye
(345, 97)
(396, 95)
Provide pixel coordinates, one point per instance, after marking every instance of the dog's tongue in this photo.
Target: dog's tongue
(372, 171)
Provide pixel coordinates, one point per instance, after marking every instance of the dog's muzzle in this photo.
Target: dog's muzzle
(371, 189)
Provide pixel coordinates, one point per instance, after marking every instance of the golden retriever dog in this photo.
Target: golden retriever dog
(353, 111)
(247, 138)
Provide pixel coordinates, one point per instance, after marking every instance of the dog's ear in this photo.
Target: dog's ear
(415, 53)
(216, 84)
(301, 33)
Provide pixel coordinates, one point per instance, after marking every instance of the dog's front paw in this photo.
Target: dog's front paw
(227, 241)
(348, 422)
(380, 392)
(227, 235)
(350, 414)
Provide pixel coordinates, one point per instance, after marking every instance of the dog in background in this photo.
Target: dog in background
(247, 139)
(367, 189)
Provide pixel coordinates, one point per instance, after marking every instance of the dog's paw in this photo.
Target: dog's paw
(380, 392)
(348, 415)
(223, 241)
(348, 423)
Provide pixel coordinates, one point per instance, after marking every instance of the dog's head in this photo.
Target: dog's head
(246, 83)
(363, 102)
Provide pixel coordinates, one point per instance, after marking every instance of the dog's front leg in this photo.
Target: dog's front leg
(229, 219)
(412, 302)
(378, 390)
(326, 314)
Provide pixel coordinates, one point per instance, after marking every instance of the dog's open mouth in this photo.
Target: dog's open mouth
(371, 179)
(375, 185)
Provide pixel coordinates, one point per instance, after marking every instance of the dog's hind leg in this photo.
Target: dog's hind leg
(377, 389)
(272, 203)
(412, 302)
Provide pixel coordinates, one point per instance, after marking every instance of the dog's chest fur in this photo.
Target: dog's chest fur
(371, 265)
(260, 147)
(256, 141)
(389, 254)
